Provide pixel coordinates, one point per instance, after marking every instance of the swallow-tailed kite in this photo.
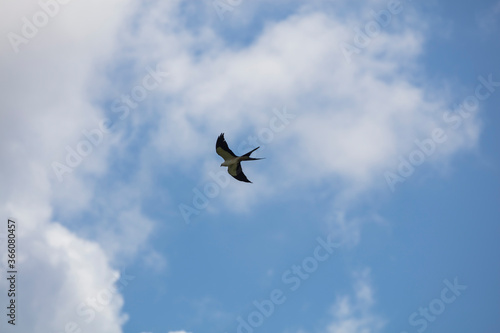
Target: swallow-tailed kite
(231, 160)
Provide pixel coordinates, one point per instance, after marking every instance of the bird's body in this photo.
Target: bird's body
(232, 161)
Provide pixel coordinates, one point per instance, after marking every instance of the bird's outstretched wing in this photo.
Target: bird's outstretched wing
(222, 148)
(236, 171)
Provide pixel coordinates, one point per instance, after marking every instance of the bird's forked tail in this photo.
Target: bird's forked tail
(247, 155)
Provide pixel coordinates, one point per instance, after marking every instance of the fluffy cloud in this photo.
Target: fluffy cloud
(353, 313)
(353, 120)
(65, 281)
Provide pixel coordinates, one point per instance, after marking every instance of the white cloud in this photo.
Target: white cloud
(45, 103)
(353, 313)
(353, 120)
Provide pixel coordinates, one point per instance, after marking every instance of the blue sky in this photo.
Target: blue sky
(375, 209)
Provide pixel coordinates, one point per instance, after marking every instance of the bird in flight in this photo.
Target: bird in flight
(231, 160)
